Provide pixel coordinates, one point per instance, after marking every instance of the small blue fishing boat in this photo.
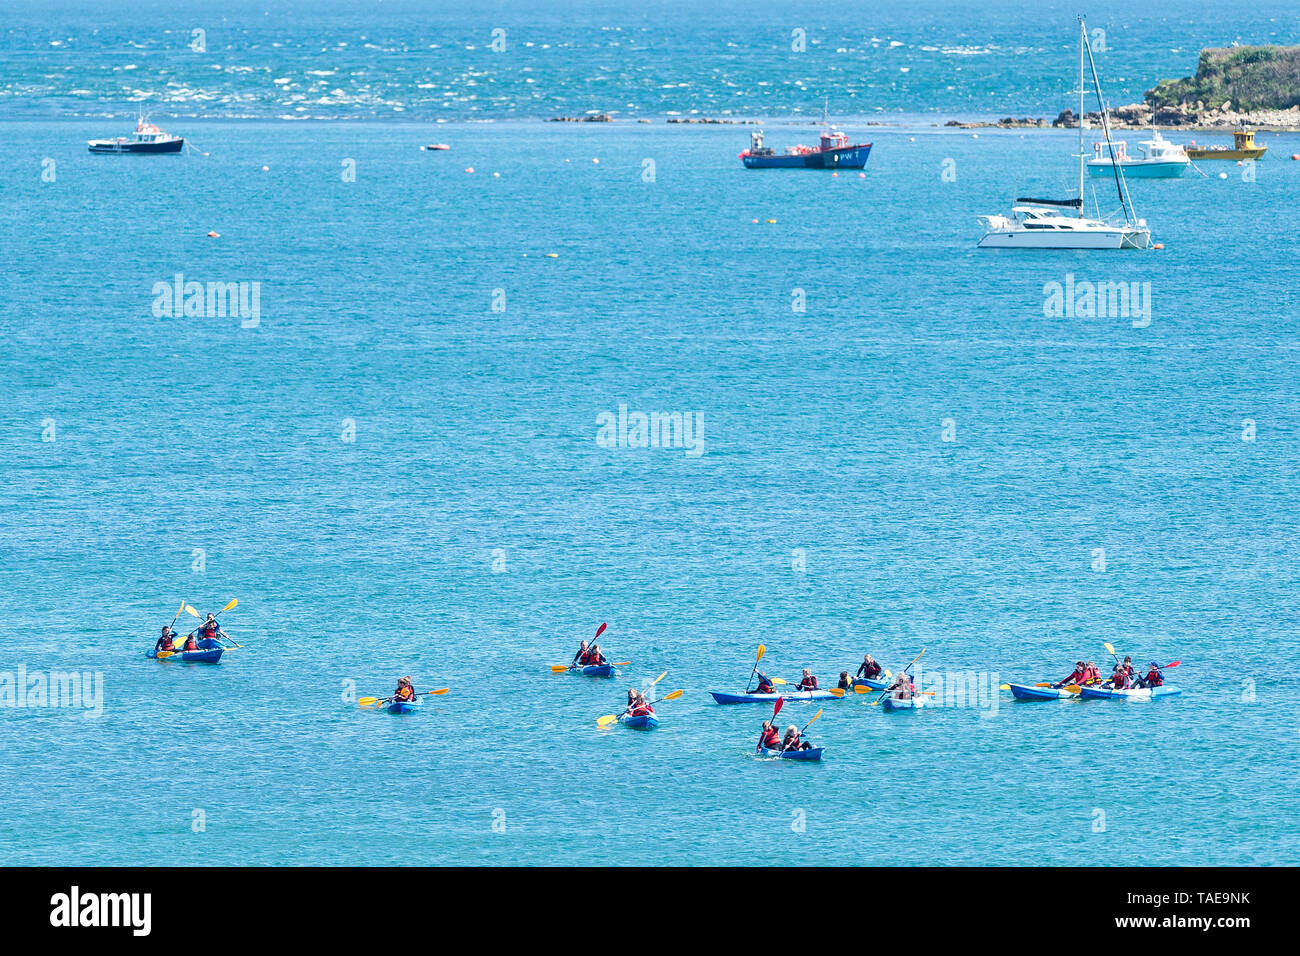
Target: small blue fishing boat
(834, 152)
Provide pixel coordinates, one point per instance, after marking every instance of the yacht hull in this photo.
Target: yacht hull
(1068, 239)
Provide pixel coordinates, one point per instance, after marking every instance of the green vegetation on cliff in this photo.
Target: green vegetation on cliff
(1251, 77)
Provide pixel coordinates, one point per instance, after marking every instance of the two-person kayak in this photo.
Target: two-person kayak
(898, 703)
(208, 652)
(722, 697)
(1128, 693)
(1030, 692)
(593, 670)
(812, 753)
(640, 722)
(404, 706)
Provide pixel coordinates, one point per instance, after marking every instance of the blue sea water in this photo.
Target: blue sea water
(475, 529)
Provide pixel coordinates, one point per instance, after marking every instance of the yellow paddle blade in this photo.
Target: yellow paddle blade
(813, 721)
(673, 696)
(622, 664)
(861, 689)
(367, 701)
(1042, 684)
(836, 691)
(178, 613)
(190, 610)
(606, 720)
(1110, 649)
(658, 679)
(1008, 686)
(887, 674)
(559, 668)
(777, 680)
(229, 606)
(163, 655)
(439, 691)
(1073, 688)
(762, 649)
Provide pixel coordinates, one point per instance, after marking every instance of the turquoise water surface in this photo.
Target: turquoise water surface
(394, 477)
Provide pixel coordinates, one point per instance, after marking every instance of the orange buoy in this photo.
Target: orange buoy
(469, 169)
(862, 175)
(214, 235)
(835, 175)
(1158, 245)
(1295, 155)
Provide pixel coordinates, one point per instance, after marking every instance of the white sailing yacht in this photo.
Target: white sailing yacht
(1040, 223)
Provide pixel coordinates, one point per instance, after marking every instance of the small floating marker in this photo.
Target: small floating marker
(835, 175)
(266, 169)
(1158, 245)
(469, 169)
(974, 135)
(754, 221)
(214, 235)
(770, 220)
(911, 139)
(1223, 175)
(552, 255)
(1238, 162)
(595, 160)
(1295, 156)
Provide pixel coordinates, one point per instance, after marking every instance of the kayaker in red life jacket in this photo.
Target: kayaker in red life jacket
(1078, 676)
(1153, 679)
(405, 690)
(210, 630)
(765, 685)
(191, 642)
(639, 706)
(793, 740)
(580, 658)
(594, 656)
(808, 682)
(1123, 672)
(845, 683)
(770, 738)
(167, 642)
(869, 668)
(1093, 674)
(902, 688)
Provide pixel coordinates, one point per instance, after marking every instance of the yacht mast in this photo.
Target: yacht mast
(1080, 117)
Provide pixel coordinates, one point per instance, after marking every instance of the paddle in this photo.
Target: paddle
(805, 728)
(903, 671)
(780, 702)
(762, 649)
(613, 718)
(371, 701)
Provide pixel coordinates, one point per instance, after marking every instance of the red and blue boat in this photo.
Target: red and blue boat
(834, 152)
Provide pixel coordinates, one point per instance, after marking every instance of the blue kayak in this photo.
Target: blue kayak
(403, 706)
(873, 683)
(812, 753)
(594, 670)
(648, 722)
(209, 652)
(724, 698)
(1029, 692)
(894, 703)
(1130, 693)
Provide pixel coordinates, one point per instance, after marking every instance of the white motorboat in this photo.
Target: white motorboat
(1160, 159)
(1041, 223)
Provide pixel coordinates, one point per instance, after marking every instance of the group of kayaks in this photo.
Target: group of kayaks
(1086, 683)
